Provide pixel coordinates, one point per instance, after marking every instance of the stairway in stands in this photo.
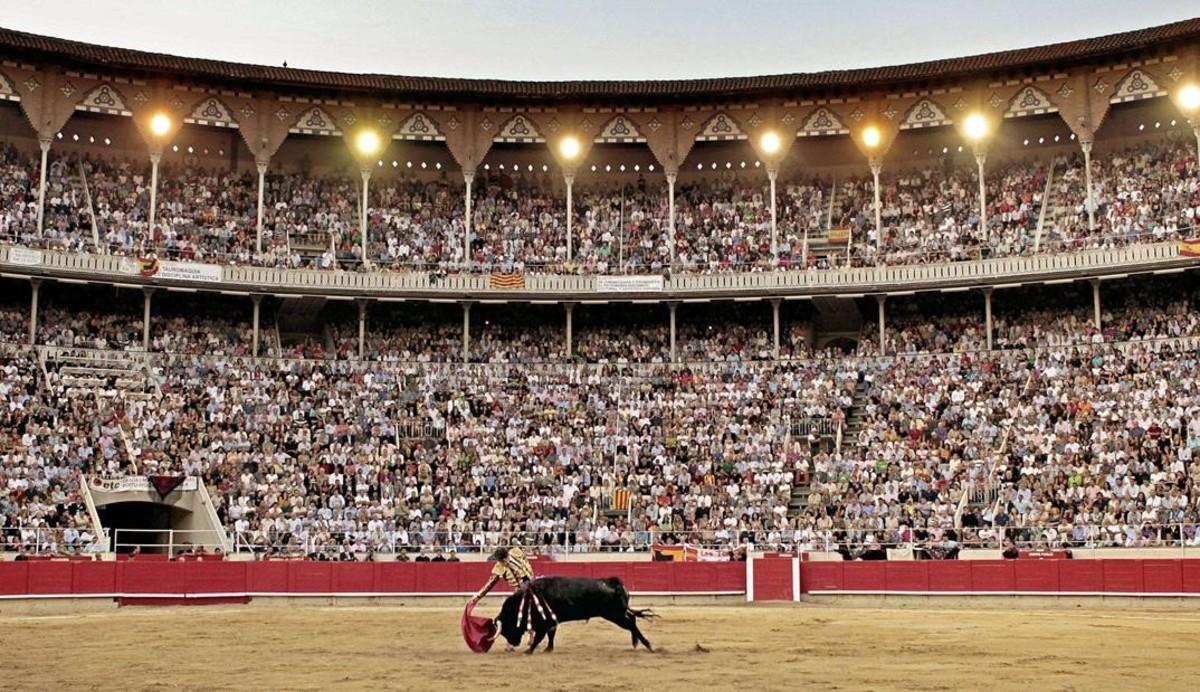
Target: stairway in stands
(110, 379)
(1056, 213)
(801, 488)
(89, 371)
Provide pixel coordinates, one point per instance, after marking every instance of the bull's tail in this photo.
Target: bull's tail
(616, 585)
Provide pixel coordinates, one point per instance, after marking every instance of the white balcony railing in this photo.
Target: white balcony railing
(1080, 264)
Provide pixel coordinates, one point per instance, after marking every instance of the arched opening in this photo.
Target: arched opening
(144, 526)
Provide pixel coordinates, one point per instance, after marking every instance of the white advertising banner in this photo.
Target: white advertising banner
(176, 271)
(125, 484)
(189, 271)
(629, 284)
(24, 256)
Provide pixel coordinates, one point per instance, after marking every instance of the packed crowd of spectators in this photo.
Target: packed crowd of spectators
(18, 197)
(1148, 308)
(343, 456)
(1145, 192)
(47, 439)
(1078, 434)
(932, 215)
(1101, 449)
(1070, 428)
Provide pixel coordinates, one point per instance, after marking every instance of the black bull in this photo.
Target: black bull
(568, 599)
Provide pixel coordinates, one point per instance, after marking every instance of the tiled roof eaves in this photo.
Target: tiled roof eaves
(17, 43)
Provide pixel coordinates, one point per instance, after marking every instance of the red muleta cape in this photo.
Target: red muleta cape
(478, 632)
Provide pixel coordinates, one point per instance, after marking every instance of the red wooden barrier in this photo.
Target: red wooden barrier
(1081, 577)
(773, 579)
(197, 579)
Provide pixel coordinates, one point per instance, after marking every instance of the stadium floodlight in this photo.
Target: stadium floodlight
(976, 127)
(569, 147)
(1189, 98)
(367, 142)
(160, 124)
(871, 136)
(770, 142)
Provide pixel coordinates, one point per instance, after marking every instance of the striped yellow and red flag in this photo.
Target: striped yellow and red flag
(839, 236)
(1190, 248)
(620, 499)
(507, 280)
(669, 553)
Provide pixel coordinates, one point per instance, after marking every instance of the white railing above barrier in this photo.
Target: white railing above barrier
(170, 542)
(42, 540)
(1082, 263)
(936, 543)
(851, 542)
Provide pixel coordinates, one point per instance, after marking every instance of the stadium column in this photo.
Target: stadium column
(881, 298)
(772, 175)
(671, 177)
(987, 314)
(362, 327)
(155, 157)
(981, 158)
(570, 328)
(362, 216)
(36, 284)
(44, 143)
(256, 299)
(262, 181)
(468, 178)
(672, 305)
(775, 321)
(570, 203)
(1196, 131)
(466, 350)
(876, 164)
(146, 293)
(1086, 145)
(1096, 302)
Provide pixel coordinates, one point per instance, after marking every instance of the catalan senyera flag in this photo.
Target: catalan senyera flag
(147, 266)
(1190, 248)
(620, 499)
(839, 236)
(507, 280)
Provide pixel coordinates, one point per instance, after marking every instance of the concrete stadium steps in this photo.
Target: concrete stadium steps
(88, 374)
(850, 430)
(311, 244)
(855, 415)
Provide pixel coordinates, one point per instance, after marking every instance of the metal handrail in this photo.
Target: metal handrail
(575, 368)
(43, 540)
(1184, 535)
(1180, 535)
(176, 539)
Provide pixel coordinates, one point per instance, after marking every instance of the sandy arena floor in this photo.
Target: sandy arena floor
(713, 647)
